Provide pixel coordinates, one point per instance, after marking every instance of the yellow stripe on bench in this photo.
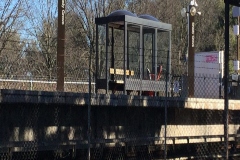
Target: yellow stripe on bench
(121, 72)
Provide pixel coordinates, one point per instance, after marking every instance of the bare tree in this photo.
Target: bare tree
(76, 61)
(42, 28)
(86, 11)
(11, 16)
(80, 29)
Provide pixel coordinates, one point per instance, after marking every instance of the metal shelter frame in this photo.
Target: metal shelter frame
(126, 22)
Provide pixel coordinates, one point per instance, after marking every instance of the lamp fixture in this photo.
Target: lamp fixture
(193, 11)
(183, 12)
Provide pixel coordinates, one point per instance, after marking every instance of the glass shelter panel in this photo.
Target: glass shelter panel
(148, 54)
(101, 60)
(163, 52)
(134, 53)
(118, 50)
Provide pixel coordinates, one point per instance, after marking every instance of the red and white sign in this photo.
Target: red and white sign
(211, 58)
(208, 70)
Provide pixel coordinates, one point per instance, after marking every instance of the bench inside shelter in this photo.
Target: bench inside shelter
(116, 83)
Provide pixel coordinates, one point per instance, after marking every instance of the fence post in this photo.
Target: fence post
(226, 69)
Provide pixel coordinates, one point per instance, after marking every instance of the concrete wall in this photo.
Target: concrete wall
(46, 126)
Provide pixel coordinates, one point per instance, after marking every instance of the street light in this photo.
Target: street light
(191, 12)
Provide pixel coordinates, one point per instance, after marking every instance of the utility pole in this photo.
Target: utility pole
(226, 76)
(61, 45)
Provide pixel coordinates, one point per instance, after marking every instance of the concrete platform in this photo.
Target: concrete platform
(43, 97)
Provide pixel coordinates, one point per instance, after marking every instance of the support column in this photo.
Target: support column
(191, 53)
(61, 45)
(226, 77)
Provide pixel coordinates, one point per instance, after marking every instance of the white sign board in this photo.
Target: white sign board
(208, 72)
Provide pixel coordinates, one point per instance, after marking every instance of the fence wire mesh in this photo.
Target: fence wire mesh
(170, 126)
(120, 102)
(164, 124)
(143, 124)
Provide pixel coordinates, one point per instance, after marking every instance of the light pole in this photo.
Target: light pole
(226, 70)
(191, 12)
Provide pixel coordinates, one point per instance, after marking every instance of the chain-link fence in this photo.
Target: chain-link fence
(154, 119)
(60, 131)
(44, 84)
(166, 125)
(128, 94)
